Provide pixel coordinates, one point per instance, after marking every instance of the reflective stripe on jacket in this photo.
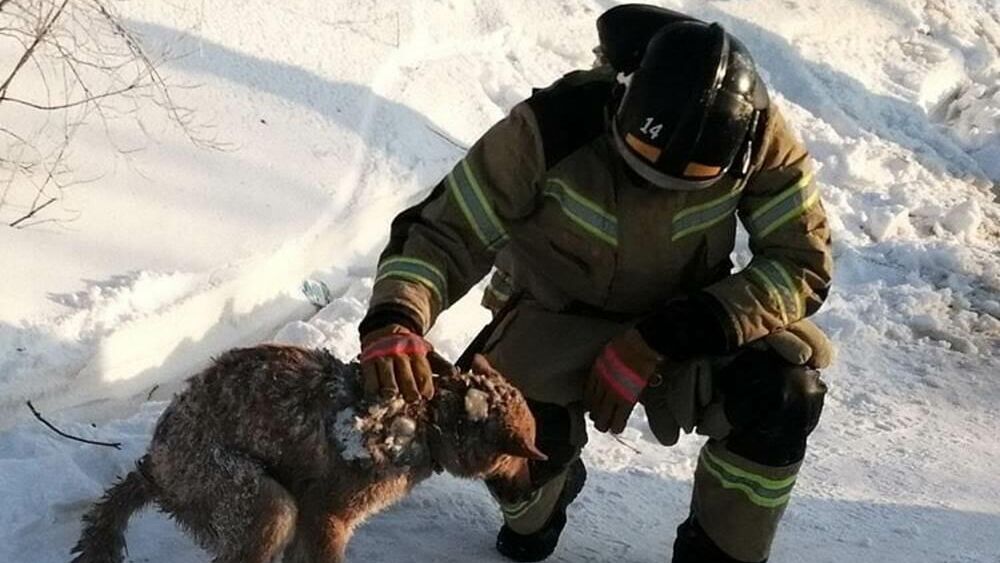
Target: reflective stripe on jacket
(543, 195)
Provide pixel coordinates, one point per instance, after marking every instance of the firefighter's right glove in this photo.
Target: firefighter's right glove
(621, 372)
(394, 360)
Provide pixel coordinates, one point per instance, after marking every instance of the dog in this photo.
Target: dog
(275, 451)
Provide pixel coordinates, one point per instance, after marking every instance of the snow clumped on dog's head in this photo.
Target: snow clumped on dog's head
(481, 419)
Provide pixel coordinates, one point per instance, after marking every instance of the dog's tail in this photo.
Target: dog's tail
(103, 536)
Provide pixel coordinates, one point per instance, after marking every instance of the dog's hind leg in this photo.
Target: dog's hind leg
(234, 509)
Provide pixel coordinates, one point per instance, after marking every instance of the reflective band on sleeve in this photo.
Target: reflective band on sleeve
(772, 292)
(700, 217)
(764, 492)
(414, 269)
(583, 212)
(498, 298)
(778, 282)
(794, 299)
(784, 207)
(500, 286)
(478, 212)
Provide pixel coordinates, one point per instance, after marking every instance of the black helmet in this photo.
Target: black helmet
(691, 107)
(625, 30)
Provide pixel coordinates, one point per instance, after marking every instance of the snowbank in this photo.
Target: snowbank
(336, 115)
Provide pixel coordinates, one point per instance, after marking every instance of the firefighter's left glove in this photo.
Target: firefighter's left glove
(621, 372)
(803, 344)
(394, 360)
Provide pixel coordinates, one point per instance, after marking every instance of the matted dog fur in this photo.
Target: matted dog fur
(274, 450)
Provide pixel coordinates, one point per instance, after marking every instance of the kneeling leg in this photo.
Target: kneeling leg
(743, 482)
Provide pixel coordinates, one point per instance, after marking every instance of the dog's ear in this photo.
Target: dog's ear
(482, 366)
(520, 446)
(508, 408)
(517, 436)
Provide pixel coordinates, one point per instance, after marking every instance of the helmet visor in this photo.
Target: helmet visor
(648, 171)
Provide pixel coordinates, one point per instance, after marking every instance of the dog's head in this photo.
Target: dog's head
(480, 421)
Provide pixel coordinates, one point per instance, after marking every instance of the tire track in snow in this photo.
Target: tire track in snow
(385, 77)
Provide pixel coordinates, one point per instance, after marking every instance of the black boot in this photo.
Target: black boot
(539, 545)
(694, 546)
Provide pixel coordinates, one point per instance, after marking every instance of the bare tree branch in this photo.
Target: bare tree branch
(50, 21)
(76, 103)
(79, 65)
(14, 135)
(34, 211)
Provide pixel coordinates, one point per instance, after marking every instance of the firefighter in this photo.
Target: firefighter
(606, 206)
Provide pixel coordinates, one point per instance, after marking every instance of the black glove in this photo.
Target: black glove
(688, 328)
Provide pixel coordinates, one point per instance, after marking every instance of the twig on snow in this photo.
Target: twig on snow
(622, 441)
(448, 138)
(115, 445)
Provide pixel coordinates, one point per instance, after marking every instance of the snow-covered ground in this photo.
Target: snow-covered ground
(335, 115)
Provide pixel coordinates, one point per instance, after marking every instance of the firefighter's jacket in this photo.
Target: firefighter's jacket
(544, 196)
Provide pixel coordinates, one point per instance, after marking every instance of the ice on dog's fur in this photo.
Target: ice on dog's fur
(274, 450)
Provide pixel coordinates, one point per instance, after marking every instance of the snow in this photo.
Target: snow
(333, 116)
(477, 406)
(349, 435)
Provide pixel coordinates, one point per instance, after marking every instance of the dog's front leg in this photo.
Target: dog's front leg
(320, 537)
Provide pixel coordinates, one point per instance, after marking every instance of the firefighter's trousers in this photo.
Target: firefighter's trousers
(755, 408)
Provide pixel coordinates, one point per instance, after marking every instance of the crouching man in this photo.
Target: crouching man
(607, 205)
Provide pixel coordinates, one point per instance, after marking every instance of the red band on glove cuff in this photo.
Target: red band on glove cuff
(623, 380)
(396, 345)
